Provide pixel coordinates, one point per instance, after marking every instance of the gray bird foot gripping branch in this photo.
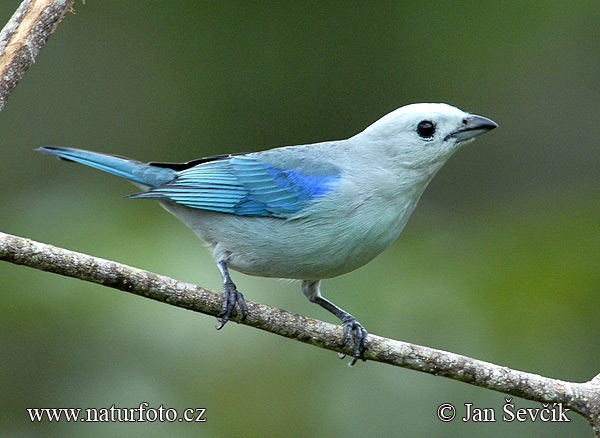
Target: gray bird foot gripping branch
(350, 325)
(231, 297)
(353, 327)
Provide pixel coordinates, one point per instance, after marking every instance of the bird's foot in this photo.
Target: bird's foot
(231, 296)
(353, 328)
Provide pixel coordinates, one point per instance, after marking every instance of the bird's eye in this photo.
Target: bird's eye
(426, 129)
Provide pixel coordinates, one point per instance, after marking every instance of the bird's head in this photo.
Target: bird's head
(425, 133)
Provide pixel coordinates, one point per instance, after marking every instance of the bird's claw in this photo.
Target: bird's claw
(231, 296)
(352, 327)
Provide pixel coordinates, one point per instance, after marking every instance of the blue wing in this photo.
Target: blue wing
(249, 185)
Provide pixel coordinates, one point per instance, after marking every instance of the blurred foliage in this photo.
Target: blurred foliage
(499, 262)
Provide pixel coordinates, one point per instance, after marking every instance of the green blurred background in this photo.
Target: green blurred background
(499, 261)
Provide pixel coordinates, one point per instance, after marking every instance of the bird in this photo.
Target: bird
(306, 212)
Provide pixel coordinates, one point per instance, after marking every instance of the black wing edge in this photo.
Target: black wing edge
(188, 164)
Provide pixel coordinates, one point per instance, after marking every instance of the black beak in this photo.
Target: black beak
(472, 126)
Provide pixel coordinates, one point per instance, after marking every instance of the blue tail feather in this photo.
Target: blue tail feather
(127, 168)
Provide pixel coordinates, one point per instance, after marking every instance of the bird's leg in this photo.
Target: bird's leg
(312, 290)
(231, 296)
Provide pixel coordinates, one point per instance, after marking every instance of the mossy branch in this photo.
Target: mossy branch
(583, 398)
(22, 38)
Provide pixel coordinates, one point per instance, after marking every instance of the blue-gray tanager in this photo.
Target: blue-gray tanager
(304, 212)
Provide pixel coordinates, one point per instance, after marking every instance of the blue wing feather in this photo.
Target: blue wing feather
(248, 185)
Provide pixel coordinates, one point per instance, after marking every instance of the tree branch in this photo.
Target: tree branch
(583, 398)
(23, 37)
